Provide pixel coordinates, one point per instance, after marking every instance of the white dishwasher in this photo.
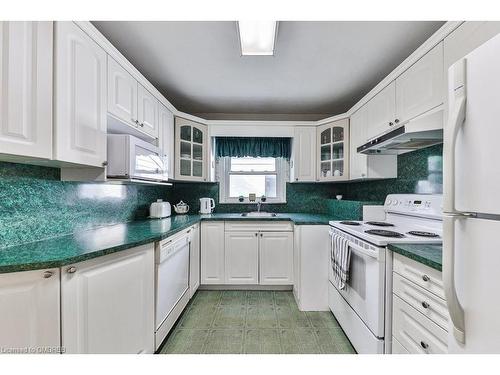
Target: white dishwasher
(172, 282)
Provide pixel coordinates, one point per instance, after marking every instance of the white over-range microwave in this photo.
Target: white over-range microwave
(131, 158)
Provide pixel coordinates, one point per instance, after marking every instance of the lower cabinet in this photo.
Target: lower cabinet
(276, 258)
(243, 253)
(107, 303)
(241, 258)
(194, 259)
(212, 252)
(29, 311)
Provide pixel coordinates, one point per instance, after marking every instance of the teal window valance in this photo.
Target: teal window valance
(264, 147)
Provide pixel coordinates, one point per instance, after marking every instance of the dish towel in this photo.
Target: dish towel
(340, 254)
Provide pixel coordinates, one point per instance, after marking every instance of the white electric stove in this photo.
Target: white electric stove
(359, 307)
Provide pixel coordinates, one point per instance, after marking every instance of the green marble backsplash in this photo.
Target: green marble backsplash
(35, 204)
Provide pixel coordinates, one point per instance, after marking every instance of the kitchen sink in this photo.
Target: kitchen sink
(259, 214)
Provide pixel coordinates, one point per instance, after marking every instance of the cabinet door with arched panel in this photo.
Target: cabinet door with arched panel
(333, 151)
(190, 150)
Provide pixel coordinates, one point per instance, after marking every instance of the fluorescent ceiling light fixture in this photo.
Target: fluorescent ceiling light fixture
(257, 37)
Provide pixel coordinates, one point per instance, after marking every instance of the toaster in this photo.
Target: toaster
(159, 209)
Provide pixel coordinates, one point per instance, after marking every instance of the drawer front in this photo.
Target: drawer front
(418, 334)
(259, 226)
(424, 276)
(424, 301)
(397, 348)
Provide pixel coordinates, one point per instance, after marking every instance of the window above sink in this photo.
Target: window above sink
(241, 176)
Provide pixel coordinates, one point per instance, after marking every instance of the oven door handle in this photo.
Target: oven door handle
(359, 249)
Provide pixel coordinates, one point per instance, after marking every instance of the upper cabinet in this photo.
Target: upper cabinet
(26, 89)
(381, 112)
(421, 87)
(303, 163)
(363, 166)
(332, 145)
(147, 112)
(130, 103)
(166, 132)
(80, 97)
(122, 94)
(190, 150)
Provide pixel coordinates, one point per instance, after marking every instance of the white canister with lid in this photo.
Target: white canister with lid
(159, 209)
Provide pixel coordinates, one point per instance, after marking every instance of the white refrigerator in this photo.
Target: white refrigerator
(471, 239)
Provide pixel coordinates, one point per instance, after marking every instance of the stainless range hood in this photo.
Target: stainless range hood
(423, 131)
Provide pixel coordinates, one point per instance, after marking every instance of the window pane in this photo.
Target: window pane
(250, 164)
(258, 184)
(186, 133)
(185, 150)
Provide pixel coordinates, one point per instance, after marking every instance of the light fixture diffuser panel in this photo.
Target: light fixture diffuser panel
(257, 37)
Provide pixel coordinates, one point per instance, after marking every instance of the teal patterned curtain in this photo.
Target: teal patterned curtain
(265, 147)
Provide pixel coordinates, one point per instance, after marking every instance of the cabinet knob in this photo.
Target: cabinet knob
(424, 344)
(47, 274)
(261, 234)
(425, 305)
(104, 163)
(396, 121)
(391, 123)
(71, 269)
(256, 234)
(141, 124)
(296, 178)
(426, 278)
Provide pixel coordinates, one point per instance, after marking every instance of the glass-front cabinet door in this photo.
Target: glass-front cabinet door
(190, 150)
(333, 149)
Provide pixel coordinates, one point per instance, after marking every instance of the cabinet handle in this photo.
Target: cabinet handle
(71, 270)
(189, 231)
(391, 123)
(47, 274)
(104, 163)
(396, 121)
(424, 345)
(136, 122)
(261, 234)
(425, 305)
(256, 234)
(426, 278)
(296, 178)
(141, 124)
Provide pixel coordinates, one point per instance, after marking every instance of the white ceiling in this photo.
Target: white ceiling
(319, 68)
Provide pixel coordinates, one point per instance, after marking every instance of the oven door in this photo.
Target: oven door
(365, 289)
(146, 161)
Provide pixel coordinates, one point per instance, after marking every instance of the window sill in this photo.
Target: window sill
(247, 202)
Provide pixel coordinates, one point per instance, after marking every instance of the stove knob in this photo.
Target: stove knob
(388, 203)
(395, 203)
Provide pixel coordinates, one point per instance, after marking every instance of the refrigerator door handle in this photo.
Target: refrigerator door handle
(456, 119)
(454, 307)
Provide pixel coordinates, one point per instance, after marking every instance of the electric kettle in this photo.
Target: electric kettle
(207, 205)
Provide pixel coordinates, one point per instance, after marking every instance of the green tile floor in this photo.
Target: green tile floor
(253, 322)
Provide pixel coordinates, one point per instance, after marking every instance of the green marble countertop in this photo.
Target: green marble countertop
(430, 255)
(79, 246)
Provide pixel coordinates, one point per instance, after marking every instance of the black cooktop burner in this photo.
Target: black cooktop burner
(384, 233)
(423, 234)
(350, 223)
(379, 223)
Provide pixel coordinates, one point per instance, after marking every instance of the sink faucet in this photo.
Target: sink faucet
(259, 203)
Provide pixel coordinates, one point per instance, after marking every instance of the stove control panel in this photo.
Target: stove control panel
(417, 204)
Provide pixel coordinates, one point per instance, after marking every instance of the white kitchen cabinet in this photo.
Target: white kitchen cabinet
(421, 87)
(381, 112)
(191, 142)
(26, 89)
(29, 310)
(304, 154)
(194, 259)
(310, 261)
(80, 97)
(333, 151)
(363, 166)
(241, 258)
(107, 303)
(147, 112)
(276, 258)
(166, 132)
(122, 94)
(212, 252)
